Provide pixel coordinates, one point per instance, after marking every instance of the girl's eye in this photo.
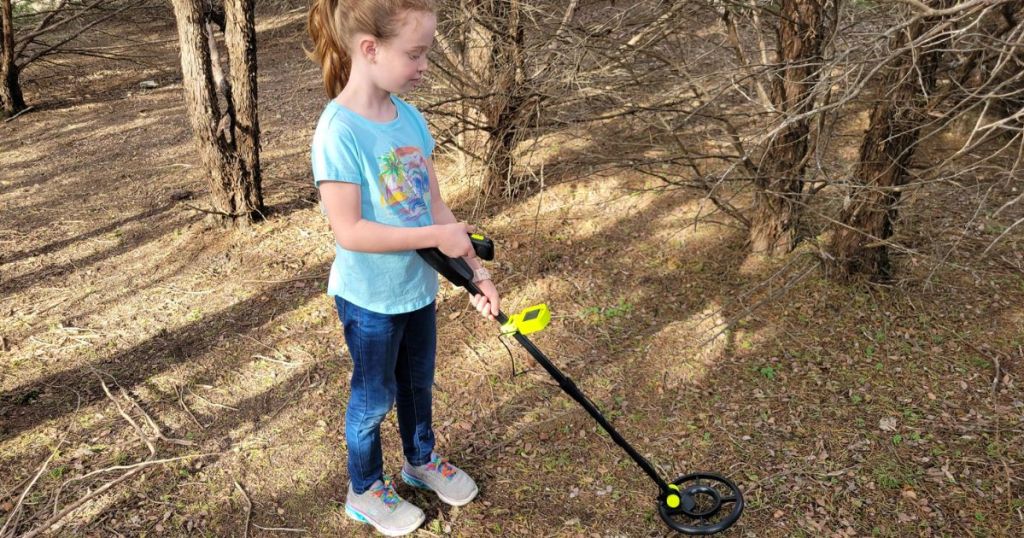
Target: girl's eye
(414, 56)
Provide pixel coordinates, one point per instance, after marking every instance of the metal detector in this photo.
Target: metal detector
(697, 503)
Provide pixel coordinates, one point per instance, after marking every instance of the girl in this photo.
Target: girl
(372, 164)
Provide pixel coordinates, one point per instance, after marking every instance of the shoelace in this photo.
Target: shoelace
(441, 465)
(386, 493)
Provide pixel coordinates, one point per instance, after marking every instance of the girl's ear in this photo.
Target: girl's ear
(368, 48)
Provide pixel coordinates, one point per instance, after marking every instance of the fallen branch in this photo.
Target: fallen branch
(152, 423)
(18, 114)
(287, 363)
(67, 510)
(215, 404)
(278, 529)
(132, 470)
(138, 429)
(181, 401)
(248, 509)
(14, 514)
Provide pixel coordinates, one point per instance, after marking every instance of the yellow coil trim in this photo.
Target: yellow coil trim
(672, 500)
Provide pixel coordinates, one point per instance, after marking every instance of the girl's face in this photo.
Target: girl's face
(400, 63)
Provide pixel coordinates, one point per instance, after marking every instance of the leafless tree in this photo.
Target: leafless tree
(226, 130)
(508, 72)
(858, 244)
(802, 30)
(754, 106)
(482, 57)
(10, 90)
(951, 63)
(31, 31)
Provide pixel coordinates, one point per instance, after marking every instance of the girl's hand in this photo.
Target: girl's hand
(453, 240)
(489, 303)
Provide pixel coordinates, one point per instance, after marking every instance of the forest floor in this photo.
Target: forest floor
(840, 410)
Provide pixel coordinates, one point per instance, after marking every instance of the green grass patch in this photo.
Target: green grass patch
(891, 475)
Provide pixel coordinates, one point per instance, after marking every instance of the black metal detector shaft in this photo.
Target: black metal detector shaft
(700, 501)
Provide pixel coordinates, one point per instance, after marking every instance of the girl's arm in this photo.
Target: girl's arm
(489, 302)
(342, 203)
(440, 211)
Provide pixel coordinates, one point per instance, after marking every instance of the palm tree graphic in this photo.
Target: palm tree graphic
(392, 174)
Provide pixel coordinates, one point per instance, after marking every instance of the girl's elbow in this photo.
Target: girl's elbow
(344, 241)
(343, 234)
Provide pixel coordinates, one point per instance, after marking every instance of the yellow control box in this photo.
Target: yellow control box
(530, 320)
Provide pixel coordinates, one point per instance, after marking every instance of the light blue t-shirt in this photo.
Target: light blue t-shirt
(389, 163)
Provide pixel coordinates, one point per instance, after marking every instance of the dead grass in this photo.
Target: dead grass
(841, 411)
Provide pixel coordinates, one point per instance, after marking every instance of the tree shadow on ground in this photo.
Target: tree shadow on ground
(136, 240)
(12, 257)
(140, 362)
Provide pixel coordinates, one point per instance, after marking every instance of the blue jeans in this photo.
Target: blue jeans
(392, 361)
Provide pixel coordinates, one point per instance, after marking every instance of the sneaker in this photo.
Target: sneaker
(451, 484)
(381, 507)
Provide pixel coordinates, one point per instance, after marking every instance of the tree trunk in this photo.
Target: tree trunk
(779, 179)
(240, 37)
(858, 244)
(228, 148)
(11, 99)
(502, 64)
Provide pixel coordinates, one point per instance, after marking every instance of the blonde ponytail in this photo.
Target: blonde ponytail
(328, 46)
(332, 23)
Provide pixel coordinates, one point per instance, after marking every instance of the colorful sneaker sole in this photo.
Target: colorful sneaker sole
(417, 483)
(358, 516)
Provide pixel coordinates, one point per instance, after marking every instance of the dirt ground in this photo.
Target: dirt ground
(840, 410)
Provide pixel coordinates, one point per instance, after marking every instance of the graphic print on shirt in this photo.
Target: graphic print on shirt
(404, 182)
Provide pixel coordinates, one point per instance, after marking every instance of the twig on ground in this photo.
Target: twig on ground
(144, 463)
(138, 429)
(278, 529)
(18, 114)
(1006, 231)
(476, 354)
(152, 423)
(990, 356)
(281, 358)
(290, 364)
(14, 516)
(176, 290)
(248, 509)
(296, 279)
(132, 470)
(68, 509)
(181, 401)
(215, 404)
(997, 376)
